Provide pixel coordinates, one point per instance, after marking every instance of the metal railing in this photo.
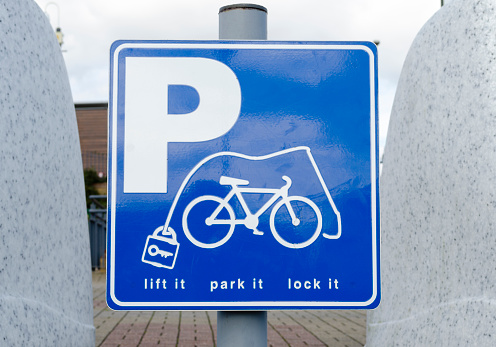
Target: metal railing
(97, 223)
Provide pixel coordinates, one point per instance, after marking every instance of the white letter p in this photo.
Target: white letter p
(150, 125)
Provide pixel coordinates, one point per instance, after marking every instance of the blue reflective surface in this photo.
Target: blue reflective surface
(182, 99)
(318, 99)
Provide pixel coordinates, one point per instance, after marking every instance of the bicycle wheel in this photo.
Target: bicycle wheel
(295, 232)
(208, 235)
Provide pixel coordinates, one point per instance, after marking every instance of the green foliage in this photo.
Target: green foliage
(90, 179)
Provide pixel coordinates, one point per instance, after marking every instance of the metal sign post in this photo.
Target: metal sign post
(243, 22)
(242, 328)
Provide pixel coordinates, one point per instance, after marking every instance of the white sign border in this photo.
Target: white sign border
(373, 174)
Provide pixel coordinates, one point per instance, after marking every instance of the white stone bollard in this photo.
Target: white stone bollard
(438, 188)
(45, 271)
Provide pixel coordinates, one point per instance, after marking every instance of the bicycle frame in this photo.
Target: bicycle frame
(251, 220)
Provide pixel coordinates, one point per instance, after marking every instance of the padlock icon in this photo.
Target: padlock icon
(161, 251)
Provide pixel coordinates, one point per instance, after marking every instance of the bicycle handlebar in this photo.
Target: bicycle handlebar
(287, 179)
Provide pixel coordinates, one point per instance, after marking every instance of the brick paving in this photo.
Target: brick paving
(334, 328)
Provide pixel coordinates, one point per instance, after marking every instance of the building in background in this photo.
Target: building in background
(92, 125)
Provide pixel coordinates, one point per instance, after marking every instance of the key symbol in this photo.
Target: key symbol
(154, 250)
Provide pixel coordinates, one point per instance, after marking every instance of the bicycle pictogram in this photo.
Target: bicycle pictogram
(281, 201)
(209, 221)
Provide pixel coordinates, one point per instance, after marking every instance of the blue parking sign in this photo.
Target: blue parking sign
(243, 175)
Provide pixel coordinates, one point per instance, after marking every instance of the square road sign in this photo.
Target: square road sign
(243, 175)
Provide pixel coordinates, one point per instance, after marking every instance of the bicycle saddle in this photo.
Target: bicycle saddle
(231, 181)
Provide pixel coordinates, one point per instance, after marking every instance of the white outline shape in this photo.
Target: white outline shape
(258, 158)
(373, 174)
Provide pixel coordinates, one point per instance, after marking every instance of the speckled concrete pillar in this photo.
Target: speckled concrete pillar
(45, 271)
(438, 188)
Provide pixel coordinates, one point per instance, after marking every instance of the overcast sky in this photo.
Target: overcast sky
(90, 27)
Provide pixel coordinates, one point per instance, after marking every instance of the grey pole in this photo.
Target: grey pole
(242, 328)
(243, 22)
